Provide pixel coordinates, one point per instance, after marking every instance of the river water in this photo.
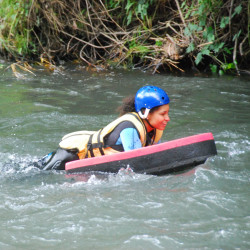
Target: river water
(206, 208)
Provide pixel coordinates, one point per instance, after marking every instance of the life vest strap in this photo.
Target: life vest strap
(91, 146)
(150, 137)
(100, 144)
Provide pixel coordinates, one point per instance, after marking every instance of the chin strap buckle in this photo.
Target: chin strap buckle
(145, 115)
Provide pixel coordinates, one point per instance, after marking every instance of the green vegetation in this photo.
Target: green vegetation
(214, 33)
(155, 35)
(15, 36)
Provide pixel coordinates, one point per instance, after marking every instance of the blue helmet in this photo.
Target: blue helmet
(149, 97)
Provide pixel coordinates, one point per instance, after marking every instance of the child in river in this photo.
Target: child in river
(142, 121)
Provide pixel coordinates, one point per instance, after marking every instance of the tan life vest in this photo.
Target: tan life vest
(92, 143)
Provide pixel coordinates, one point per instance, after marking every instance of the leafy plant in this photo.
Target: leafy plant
(14, 31)
(205, 34)
(133, 8)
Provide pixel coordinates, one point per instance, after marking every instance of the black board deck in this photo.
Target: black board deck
(160, 159)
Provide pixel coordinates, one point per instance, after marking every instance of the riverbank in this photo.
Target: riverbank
(207, 36)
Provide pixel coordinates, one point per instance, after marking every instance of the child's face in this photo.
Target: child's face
(159, 118)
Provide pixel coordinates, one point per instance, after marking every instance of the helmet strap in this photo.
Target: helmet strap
(145, 115)
(149, 123)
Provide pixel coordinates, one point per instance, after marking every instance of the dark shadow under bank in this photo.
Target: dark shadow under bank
(190, 69)
(186, 67)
